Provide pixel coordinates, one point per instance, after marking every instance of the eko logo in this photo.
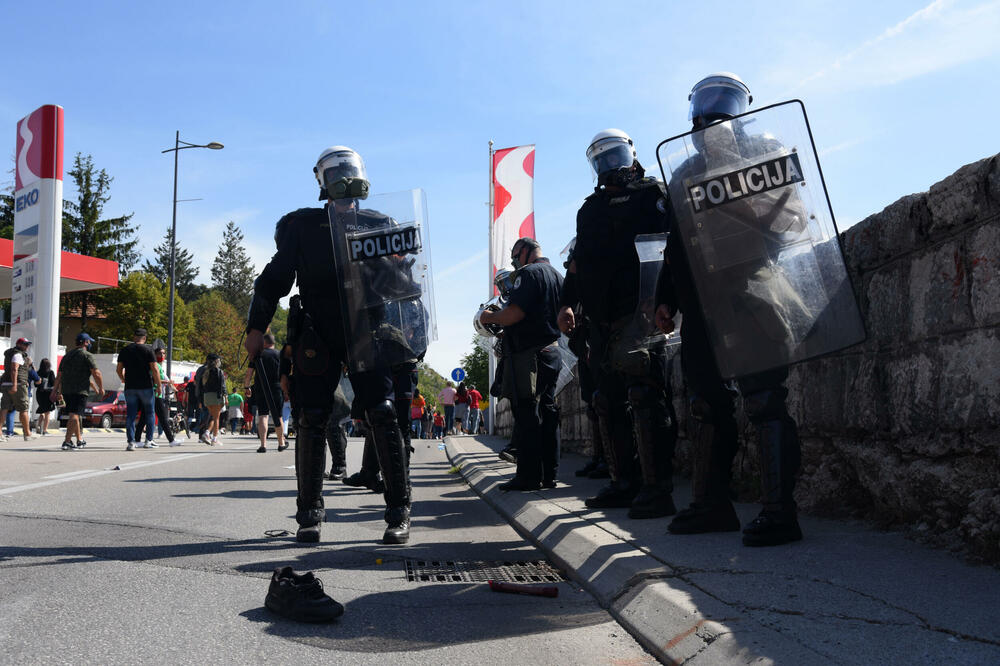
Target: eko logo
(25, 200)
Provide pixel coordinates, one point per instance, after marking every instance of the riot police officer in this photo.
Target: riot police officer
(631, 400)
(716, 98)
(531, 364)
(341, 321)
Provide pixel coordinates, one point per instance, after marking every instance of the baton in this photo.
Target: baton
(520, 588)
(266, 384)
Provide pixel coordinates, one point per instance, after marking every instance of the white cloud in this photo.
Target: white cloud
(942, 35)
(480, 256)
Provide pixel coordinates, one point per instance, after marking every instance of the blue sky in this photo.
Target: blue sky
(900, 94)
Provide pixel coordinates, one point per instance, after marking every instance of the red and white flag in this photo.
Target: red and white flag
(513, 183)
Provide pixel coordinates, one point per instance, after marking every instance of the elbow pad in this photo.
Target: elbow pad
(569, 296)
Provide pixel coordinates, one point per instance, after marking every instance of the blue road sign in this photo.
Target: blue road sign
(458, 374)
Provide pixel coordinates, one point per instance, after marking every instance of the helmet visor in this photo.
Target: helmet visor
(342, 165)
(717, 102)
(610, 156)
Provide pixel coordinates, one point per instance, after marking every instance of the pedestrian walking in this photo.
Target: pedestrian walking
(266, 393)
(235, 411)
(14, 384)
(138, 372)
(72, 386)
(446, 398)
(161, 399)
(461, 408)
(43, 393)
(213, 391)
(474, 398)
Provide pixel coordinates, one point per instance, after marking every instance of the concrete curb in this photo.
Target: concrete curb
(671, 618)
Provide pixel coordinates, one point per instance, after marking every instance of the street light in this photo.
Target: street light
(214, 145)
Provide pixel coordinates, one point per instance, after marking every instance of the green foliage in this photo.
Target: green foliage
(430, 384)
(6, 216)
(142, 300)
(476, 366)
(219, 329)
(185, 272)
(279, 325)
(86, 231)
(232, 272)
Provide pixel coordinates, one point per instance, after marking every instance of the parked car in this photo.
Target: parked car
(106, 411)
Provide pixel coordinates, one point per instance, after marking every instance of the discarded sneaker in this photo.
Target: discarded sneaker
(772, 528)
(702, 518)
(300, 597)
(308, 533)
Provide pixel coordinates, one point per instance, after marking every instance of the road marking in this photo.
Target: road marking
(101, 472)
(66, 474)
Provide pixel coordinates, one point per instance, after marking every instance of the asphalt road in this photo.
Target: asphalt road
(167, 560)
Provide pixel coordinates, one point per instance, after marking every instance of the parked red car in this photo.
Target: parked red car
(106, 412)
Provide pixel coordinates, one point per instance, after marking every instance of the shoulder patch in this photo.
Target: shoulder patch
(661, 205)
(517, 282)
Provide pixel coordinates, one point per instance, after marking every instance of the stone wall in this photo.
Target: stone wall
(903, 430)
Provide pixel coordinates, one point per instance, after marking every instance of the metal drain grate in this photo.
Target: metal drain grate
(442, 571)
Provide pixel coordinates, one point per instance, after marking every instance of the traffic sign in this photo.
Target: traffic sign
(458, 374)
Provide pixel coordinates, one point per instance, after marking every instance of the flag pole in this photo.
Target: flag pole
(491, 367)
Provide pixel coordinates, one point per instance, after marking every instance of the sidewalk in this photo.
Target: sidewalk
(846, 594)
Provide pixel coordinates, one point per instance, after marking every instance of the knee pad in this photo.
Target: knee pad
(767, 405)
(382, 414)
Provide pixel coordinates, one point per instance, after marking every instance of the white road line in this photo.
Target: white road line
(101, 472)
(67, 474)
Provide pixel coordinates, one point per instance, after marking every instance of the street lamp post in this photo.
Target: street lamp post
(214, 145)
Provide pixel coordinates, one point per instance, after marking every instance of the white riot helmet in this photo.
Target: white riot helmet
(341, 174)
(719, 96)
(611, 151)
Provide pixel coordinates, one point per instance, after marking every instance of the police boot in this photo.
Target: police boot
(655, 434)
(310, 461)
(596, 464)
(713, 447)
(620, 492)
(391, 450)
(779, 462)
(368, 475)
(336, 439)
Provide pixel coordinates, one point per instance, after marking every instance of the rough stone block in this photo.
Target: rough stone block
(912, 393)
(864, 404)
(816, 395)
(896, 226)
(939, 292)
(961, 198)
(826, 481)
(887, 305)
(969, 396)
(984, 259)
(860, 244)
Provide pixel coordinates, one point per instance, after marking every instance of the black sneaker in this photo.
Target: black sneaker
(300, 597)
(337, 472)
(68, 446)
(509, 455)
(702, 518)
(81, 443)
(262, 449)
(772, 528)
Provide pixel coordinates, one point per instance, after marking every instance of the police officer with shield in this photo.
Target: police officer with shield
(531, 364)
(360, 305)
(742, 232)
(632, 397)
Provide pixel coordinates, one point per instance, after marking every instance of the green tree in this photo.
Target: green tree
(219, 329)
(87, 231)
(6, 215)
(476, 366)
(430, 384)
(142, 300)
(232, 272)
(185, 272)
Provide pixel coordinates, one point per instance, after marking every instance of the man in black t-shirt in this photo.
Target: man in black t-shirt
(532, 367)
(139, 374)
(266, 392)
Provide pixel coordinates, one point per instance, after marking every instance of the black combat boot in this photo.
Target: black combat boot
(615, 495)
(368, 476)
(310, 461)
(393, 459)
(772, 528)
(701, 518)
(653, 501)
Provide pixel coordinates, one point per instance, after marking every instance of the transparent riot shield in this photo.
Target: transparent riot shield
(650, 249)
(382, 255)
(759, 234)
(567, 361)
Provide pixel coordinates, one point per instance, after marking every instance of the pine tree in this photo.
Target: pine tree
(232, 272)
(86, 232)
(185, 272)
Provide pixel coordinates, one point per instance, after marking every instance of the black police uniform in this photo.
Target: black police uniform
(632, 397)
(305, 256)
(531, 372)
(712, 404)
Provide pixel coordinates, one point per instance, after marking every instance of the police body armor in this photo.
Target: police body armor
(752, 212)
(384, 276)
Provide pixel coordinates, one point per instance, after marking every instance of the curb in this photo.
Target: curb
(673, 619)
